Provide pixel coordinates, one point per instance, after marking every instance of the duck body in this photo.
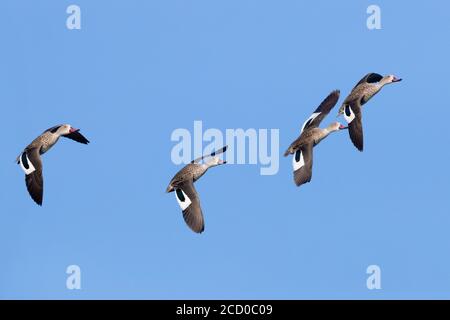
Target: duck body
(362, 94)
(191, 172)
(312, 136)
(44, 142)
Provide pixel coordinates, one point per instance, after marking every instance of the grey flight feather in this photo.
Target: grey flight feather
(193, 215)
(355, 127)
(34, 180)
(324, 109)
(304, 174)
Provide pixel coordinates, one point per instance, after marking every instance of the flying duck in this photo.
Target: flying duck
(364, 90)
(30, 159)
(187, 197)
(311, 135)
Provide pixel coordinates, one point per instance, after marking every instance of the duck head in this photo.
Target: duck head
(64, 129)
(390, 79)
(336, 126)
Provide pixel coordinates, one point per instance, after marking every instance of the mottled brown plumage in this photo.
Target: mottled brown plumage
(311, 135)
(183, 185)
(30, 158)
(191, 172)
(363, 91)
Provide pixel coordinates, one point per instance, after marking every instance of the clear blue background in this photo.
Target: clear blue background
(137, 70)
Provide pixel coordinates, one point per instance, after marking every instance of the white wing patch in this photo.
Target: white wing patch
(182, 199)
(298, 164)
(349, 117)
(310, 119)
(31, 167)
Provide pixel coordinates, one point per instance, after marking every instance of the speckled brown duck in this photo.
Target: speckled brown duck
(351, 108)
(311, 135)
(185, 193)
(30, 159)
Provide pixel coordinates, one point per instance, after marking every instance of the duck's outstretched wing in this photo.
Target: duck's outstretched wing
(31, 163)
(189, 202)
(212, 154)
(302, 164)
(371, 77)
(77, 136)
(353, 116)
(322, 110)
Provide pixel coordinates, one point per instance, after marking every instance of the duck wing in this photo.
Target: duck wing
(189, 202)
(31, 163)
(77, 136)
(212, 154)
(353, 116)
(371, 77)
(302, 164)
(322, 110)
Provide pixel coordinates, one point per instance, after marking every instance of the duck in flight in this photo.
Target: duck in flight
(311, 135)
(364, 90)
(30, 159)
(185, 193)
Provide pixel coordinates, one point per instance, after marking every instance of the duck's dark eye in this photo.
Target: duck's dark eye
(180, 195)
(348, 111)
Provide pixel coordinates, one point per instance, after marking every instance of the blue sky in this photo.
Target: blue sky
(137, 70)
